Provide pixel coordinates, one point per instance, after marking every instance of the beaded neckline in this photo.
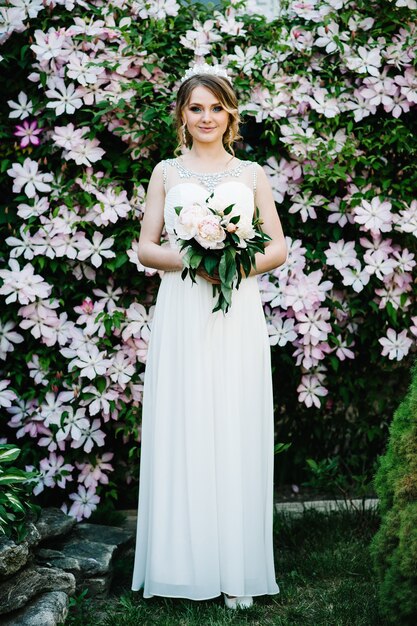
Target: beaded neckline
(212, 179)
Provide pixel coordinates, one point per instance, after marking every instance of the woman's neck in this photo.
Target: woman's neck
(208, 157)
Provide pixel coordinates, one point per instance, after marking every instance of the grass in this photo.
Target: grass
(323, 570)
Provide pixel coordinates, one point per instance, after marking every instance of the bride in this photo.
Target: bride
(206, 475)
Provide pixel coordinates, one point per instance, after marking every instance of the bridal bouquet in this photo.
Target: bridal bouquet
(221, 240)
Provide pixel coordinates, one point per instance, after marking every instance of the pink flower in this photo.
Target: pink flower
(93, 474)
(6, 395)
(355, 277)
(28, 178)
(7, 338)
(28, 131)
(313, 324)
(139, 322)
(90, 435)
(73, 424)
(343, 351)
(375, 216)
(378, 263)
(395, 345)
(310, 390)
(91, 362)
(23, 284)
(55, 471)
(96, 249)
(281, 331)
(85, 502)
(341, 254)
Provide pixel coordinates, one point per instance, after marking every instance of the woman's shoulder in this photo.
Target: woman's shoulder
(247, 163)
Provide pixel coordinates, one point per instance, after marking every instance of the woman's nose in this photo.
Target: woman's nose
(206, 114)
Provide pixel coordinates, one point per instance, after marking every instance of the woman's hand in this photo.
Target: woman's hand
(214, 280)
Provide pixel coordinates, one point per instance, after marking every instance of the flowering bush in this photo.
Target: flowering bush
(328, 92)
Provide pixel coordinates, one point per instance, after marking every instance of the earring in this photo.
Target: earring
(184, 134)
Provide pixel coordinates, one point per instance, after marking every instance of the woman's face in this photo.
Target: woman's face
(205, 117)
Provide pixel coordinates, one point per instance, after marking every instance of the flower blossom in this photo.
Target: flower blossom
(96, 249)
(8, 337)
(6, 395)
(28, 131)
(56, 471)
(90, 435)
(306, 205)
(139, 322)
(366, 61)
(28, 178)
(72, 424)
(355, 276)
(23, 284)
(395, 345)
(93, 474)
(85, 502)
(62, 98)
(50, 45)
(22, 108)
(91, 362)
(41, 319)
(200, 39)
(377, 263)
(406, 220)
(310, 390)
(375, 216)
(281, 331)
(155, 9)
(341, 254)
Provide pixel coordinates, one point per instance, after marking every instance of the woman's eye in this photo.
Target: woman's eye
(217, 109)
(194, 109)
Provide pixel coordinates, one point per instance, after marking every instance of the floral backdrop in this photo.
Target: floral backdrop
(328, 93)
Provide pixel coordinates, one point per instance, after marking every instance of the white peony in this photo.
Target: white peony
(210, 233)
(188, 219)
(245, 230)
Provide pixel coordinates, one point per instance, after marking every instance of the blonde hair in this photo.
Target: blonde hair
(223, 90)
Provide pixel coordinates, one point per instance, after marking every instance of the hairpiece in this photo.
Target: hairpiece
(205, 68)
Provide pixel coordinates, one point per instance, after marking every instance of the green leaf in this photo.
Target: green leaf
(8, 452)
(281, 447)
(195, 260)
(210, 264)
(13, 476)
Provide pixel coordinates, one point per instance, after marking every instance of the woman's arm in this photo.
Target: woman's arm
(276, 249)
(150, 251)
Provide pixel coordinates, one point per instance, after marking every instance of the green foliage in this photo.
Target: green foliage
(394, 547)
(15, 489)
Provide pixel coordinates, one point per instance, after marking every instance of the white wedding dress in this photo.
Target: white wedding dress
(206, 473)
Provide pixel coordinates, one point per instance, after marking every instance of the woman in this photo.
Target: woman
(206, 494)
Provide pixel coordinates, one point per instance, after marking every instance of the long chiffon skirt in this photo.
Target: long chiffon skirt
(206, 473)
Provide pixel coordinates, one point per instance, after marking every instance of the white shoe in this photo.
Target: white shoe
(241, 602)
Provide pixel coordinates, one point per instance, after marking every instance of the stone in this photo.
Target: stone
(112, 535)
(16, 591)
(53, 522)
(13, 556)
(33, 536)
(47, 609)
(55, 558)
(97, 587)
(84, 558)
(94, 558)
